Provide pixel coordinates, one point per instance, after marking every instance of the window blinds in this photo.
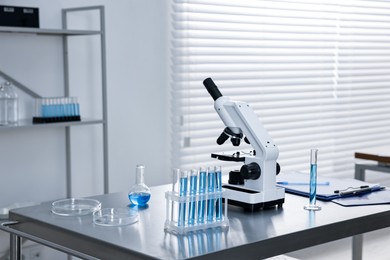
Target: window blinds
(317, 74)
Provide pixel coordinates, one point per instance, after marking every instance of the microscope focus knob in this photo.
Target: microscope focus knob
(277, 168)
(250, 171)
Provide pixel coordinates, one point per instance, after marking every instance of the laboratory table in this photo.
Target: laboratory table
(251, 235)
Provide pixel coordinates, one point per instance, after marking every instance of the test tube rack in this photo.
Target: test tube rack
(176, 225)
(56, 109)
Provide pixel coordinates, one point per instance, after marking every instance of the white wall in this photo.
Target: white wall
(33, 160)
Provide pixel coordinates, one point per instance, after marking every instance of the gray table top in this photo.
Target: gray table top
(250, 235)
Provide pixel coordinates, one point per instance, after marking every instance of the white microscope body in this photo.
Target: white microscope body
(260, 169)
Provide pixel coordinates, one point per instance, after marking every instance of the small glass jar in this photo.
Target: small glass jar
(139, 194)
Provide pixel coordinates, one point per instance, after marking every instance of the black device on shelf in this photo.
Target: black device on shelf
(45, 120)
(19, 16)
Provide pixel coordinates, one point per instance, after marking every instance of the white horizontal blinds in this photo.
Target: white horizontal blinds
(316, 74)
(363, 89)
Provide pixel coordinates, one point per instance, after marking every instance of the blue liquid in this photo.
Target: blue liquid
(210, 203)
(57, 110)
(313, 184)
(182, 205)
(202, 190)
(67, 109)
(77, 109)
(45, 111)
(218, 211)
(61, 109)
(191, 213)
(139, 198)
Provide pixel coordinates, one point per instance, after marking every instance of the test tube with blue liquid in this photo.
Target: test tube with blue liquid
(210, 189)
(202, 191)
(183, 182)
(192, 206)
(76, 105)
(313, 181)
(218, 187)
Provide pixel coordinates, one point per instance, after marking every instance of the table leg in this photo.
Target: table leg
(357, 241)
(15, 251)
(357, 247)
(360, 172)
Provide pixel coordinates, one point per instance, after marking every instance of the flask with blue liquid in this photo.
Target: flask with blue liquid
(139, 193)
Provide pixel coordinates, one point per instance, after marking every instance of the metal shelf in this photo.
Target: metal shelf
(65, 33)
(48, 32)
(27, 123)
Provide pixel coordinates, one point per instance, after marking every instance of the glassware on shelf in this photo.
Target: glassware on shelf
(139, 194)
(3, 106)
(9, 104)
(12, 103)
(56, 109)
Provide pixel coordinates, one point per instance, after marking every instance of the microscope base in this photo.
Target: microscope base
(252, 200)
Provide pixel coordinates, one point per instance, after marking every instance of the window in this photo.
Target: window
(317, 74)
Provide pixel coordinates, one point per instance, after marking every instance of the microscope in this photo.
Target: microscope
(253, 187)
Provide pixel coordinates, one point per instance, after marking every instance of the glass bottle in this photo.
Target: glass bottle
(3, 106)
(12, 103)
(139, 193)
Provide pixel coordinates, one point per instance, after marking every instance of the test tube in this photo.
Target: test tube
(38, 107)
(175, 189)
(49, 107)
(202, 191)
(218, 187)
(66, 107)
(76, 106)
(182, 193)
(313, 181)
(193, 184)
(175, 179)
(210, 189)
(62, 107)
(57, 107)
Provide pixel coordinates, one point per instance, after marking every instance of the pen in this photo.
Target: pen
(301, 183)
(361, 191)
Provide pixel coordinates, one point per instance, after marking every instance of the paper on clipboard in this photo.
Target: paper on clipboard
(373, 198)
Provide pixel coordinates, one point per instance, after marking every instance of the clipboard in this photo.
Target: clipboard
(378, 195)
(372, 198)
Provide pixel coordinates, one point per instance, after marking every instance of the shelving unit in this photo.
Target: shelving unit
(65, 33)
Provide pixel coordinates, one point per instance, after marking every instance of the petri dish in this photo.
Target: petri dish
(113, 217)
(75, 207)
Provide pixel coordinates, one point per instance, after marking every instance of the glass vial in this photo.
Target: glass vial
(139, 193)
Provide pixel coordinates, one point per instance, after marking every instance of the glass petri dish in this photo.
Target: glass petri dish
(75, 207)
(114, 217)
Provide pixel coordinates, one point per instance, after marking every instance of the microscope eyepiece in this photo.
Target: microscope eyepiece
(212, 88)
